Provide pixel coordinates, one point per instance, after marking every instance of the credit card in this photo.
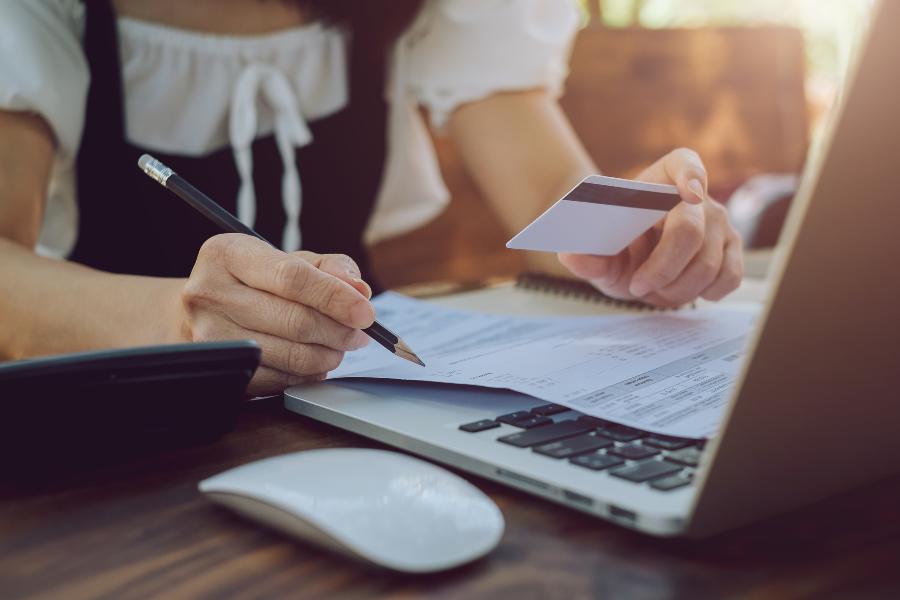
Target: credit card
(601, 215)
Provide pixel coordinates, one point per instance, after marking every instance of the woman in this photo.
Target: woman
(277, 109)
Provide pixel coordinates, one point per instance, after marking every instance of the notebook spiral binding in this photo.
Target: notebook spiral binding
(572, 288)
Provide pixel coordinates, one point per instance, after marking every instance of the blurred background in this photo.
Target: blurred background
(746, 84)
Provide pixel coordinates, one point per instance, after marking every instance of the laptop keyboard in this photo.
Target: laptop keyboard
(662, 462)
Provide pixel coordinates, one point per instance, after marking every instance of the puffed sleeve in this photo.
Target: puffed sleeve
(464, 50)
(42, 66)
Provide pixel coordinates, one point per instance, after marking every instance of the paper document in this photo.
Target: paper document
(668, 372)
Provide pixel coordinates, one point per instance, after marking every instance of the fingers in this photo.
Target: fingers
(256, 264)
(297, 360)
(631, 259)
(731, 273)
(683, 236)
(685, 169)
(343, 267)
(612, 274)
(255, 310)
(600, 269)
(303, 318)
(638, 252)
(693, 252)
(609, 274)
(716, 269)
(701, 271)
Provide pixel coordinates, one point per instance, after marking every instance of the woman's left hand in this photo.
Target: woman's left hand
(693, 252)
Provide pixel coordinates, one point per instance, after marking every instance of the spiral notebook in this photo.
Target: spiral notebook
(538, 294)
(541, 294)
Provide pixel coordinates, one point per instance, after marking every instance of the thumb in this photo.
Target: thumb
(588, 266)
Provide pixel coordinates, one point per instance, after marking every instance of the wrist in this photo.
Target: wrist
(173, 323)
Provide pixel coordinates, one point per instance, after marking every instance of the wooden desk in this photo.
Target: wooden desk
(141, 529)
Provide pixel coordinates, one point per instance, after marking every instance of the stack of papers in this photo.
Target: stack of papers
(666, 372)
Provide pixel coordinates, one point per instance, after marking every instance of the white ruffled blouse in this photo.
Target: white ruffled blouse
(191, 93)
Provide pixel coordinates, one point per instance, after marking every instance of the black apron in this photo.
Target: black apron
(128, 223)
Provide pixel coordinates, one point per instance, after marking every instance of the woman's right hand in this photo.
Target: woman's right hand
(303, 309)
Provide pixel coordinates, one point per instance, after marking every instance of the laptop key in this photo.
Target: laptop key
(532, 422)
(592, 421)
(645, 471)
(596, 461)
(672, 482)
(665, 442)
(620, 433)
(633, 452)
(481, 425)
(545, 434)
(573, 446)
(511, 418)
(689, 457)
(549, 409)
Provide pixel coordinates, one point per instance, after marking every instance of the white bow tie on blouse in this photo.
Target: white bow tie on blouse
(261, 80)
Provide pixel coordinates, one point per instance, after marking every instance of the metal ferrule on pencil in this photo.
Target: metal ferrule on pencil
(155, 169)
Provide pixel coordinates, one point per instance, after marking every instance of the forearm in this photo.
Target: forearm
(49, 306)
(523, 155)
(521, 151)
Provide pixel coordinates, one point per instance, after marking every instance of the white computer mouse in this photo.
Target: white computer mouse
(382, 507)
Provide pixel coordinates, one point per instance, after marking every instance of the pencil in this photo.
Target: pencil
(170, 180)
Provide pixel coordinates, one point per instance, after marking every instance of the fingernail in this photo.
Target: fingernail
(638, 288)
(697, 188)
(368, 292)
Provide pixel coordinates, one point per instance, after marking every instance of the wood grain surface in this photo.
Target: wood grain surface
(140, 529)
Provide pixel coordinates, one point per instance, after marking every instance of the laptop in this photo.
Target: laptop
(814, 411)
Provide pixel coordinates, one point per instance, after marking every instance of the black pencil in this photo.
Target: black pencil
(228, 222)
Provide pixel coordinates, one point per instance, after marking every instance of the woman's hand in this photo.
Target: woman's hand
(693, 252)
(303, 309)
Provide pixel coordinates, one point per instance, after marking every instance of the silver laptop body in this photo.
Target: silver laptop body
(816, 409)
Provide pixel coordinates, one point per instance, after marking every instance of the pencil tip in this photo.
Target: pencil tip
(404, 351)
